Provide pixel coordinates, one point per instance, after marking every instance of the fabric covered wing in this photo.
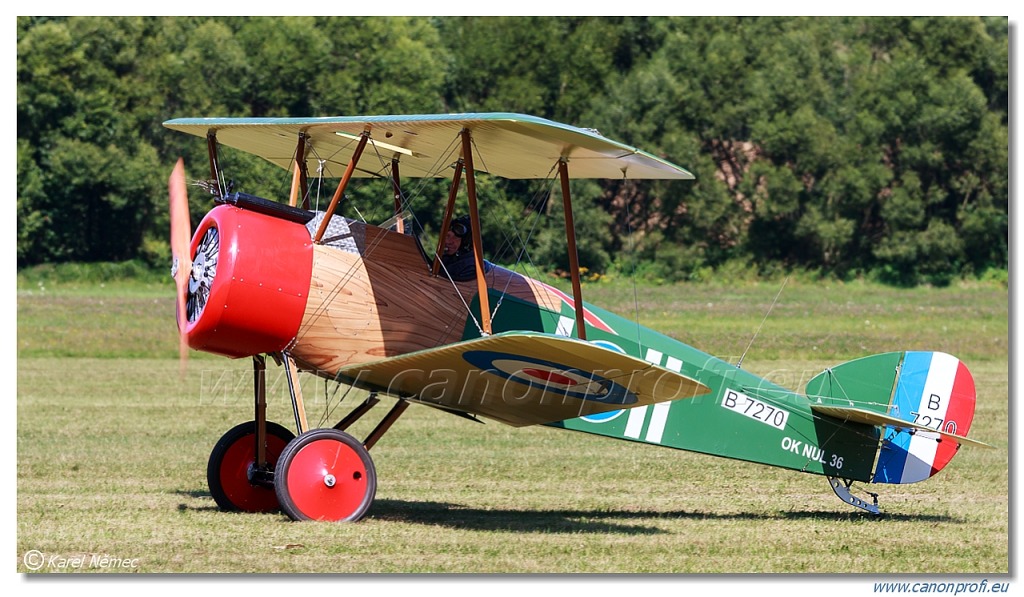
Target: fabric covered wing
(522, 378)
(509, 145)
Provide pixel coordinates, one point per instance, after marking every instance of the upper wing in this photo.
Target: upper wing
(507, 145)
(524, 378)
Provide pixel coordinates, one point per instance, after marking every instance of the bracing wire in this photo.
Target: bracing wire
(516, 237)
(632, 269)
(758, 331)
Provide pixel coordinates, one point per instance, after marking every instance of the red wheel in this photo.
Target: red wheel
(325, 474)
(228, 472)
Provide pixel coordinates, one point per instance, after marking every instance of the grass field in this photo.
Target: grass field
(112, 446)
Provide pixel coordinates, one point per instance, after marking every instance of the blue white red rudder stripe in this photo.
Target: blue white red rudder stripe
(933, 389)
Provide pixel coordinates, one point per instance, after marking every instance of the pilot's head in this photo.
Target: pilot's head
(460, 236)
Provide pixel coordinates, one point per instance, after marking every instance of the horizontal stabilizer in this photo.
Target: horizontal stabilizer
(524, 378)
(867, 417)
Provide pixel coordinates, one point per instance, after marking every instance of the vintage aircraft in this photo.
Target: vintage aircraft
(366, 306)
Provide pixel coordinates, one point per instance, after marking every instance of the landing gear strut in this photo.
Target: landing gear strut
(321, 474)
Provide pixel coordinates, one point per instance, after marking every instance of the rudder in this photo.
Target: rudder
(936, 390)
(928, 390)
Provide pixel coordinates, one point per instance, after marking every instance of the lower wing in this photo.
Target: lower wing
(523, 378)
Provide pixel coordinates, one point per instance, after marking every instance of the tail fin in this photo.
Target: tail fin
(923, 401)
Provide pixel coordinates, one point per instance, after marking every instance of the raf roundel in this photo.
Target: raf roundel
(612, 414)
(551, 376)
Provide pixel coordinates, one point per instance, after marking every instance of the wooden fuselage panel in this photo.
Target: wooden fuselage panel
(372, 296)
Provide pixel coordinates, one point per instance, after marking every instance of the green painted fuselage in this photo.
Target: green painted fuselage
(745, 416)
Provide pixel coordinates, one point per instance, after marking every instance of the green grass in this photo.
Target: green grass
(112, 445)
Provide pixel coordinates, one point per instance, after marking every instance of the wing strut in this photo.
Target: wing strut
(211, 149)
(574, 260)
(341, 185)
(396, 186)
(478, 246)
(453, 192)
(293, 197)
(299, 174)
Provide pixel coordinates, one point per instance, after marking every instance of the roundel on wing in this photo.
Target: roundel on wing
(603, 417)
(611, 414)
(551, 376)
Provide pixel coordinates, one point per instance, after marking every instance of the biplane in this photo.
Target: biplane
(368, 306)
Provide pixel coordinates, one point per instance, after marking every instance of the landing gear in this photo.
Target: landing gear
(322, 474)
(235, 479)
(325, 474)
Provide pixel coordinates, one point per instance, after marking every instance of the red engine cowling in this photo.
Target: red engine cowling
(249, 283)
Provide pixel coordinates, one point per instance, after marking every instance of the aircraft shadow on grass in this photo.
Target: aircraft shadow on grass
(570, 520)
(590, 521)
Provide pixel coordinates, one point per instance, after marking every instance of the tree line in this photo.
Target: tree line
(847, 146)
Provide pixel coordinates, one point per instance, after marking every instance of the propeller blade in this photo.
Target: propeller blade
(181, 253)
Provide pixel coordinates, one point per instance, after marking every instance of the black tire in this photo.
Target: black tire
(227, 470)
(325, 474)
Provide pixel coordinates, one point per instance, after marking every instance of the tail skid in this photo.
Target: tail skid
(842, 489)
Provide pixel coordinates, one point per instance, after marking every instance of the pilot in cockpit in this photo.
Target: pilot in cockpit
(458, 258)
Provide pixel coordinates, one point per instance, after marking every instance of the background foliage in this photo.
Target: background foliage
(847, 146)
